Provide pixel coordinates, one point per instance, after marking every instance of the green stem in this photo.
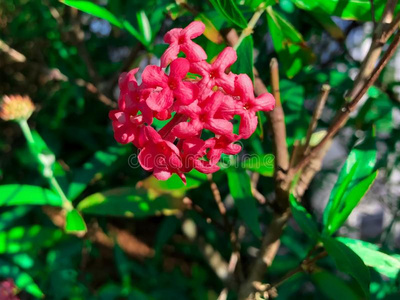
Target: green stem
(65, 202)
(26, 131)
(250, 26)
(52, 180)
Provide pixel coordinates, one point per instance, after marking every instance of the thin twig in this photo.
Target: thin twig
(344, 113)
(317, 114)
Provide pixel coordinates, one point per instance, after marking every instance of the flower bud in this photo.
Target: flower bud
(16, 108)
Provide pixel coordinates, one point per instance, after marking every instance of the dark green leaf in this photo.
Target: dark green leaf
(95, 167)
(333, 287)
(348, 262)
(245, 61)
(18, 194)
(12, 215)
(230, 11)
(22, 279)
(240, 188)
(293, 52)
(304, 219)
(382, 262)
(129, 202)
(74, 222)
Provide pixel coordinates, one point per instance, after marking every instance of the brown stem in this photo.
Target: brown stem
(375, 50)
(344, 113)
(268, 250)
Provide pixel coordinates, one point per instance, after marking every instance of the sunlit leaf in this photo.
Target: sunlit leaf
(129, 202)
(19, 194)
(355, 178)
(210, 32)
(263, 164)
(74, 222)
(22, 239)
(372, 257)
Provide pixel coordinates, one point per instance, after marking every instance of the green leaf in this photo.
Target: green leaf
(240, 188)
(101, 162)
(74, 222)
(348, 262)
(18, 194)
(359, 10)
(94, 10)
(292, 50)
(22, 279)
(333, 287)
(103, 13)
(382, 262)
(304, 219)
(144, 26)
(22, 239)
(355, 178)
(254, 4)
(245, 61)
(230, 11)
(129, 202)
(263, 164)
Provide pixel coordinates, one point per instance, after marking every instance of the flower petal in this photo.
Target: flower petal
(248, 124)
(173, 35)
(186, 92)
(194, 29)
(193, 52)
(187, 129)
(154, 76)
(169, 55)
(264, 102)
(146, 158)
(205, 167)
(244, 88)
(219, 126)
(160, 101)
(179, 68)
(212, 104)
(161, 174)
(225, 59)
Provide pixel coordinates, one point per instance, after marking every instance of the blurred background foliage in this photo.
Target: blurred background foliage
(147, 239)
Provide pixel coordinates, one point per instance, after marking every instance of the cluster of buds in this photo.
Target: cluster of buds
(16, 108)
(196, 96)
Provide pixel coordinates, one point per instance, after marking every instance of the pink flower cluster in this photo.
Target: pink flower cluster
(206, 98)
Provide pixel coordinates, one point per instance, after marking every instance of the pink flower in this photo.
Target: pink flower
(181, 40)
(202, 116)
(160, 156)
(192, 152)
(192, 106)
(214, 74)
(169, 87)
(245, 91)
(221, 145)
